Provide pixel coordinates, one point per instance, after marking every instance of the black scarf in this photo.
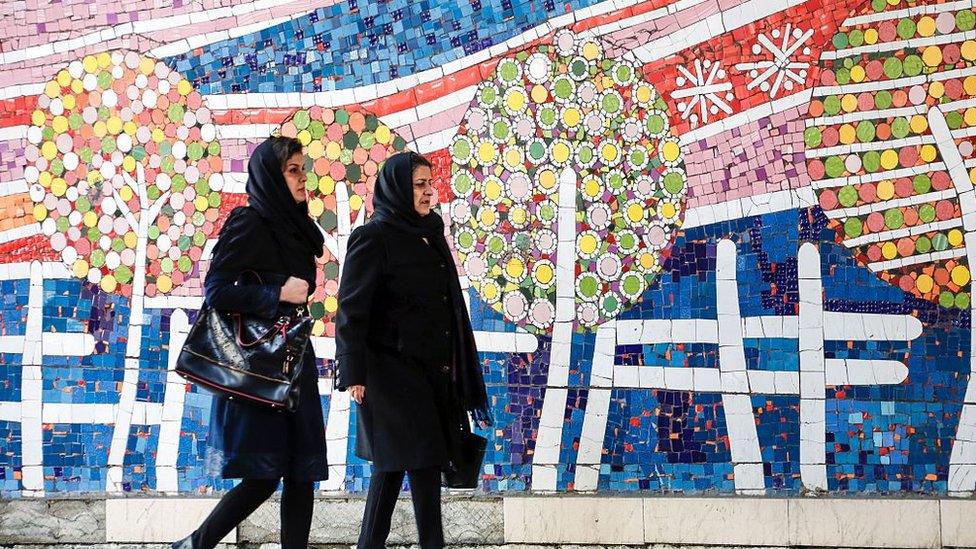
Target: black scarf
(393, 205)
(268, 194)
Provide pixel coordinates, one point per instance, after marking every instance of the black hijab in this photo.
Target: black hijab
(393, 205)
(268, 194)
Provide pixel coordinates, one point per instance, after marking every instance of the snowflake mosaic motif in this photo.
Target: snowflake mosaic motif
(784, 72)
(703, 92)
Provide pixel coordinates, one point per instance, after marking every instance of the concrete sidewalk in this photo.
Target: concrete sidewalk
(518, 521)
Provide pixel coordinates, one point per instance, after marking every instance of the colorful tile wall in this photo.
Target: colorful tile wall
(763, 209)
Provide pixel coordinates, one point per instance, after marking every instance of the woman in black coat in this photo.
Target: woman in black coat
(275, 238)
(406, 351)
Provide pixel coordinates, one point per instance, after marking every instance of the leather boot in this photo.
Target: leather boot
(185, 543)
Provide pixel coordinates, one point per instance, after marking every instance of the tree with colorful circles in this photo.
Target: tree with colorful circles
(344, 149)
(124, 169)
(569, 186)
(889, 147)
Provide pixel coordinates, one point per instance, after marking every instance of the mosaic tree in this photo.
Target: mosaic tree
(569, 189)
(891, 151)
(564, 164)
(344, 150)
(124, 170)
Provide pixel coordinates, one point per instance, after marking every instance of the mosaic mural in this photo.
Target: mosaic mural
(708, 246)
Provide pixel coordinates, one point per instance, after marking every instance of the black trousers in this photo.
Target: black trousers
(384, 489)
(239, 503)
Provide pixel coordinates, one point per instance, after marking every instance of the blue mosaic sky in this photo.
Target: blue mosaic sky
(355, 43)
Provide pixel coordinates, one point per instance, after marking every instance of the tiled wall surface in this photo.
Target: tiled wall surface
(709, 246)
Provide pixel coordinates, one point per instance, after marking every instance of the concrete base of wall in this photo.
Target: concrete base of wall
(518, 521)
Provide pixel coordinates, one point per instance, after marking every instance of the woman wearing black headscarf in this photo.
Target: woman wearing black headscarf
(406, 350)
(274, 237)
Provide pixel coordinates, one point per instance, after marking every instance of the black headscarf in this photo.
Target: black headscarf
(268, 193)
(393, 205)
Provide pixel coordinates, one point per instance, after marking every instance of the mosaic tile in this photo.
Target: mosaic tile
(661, 225)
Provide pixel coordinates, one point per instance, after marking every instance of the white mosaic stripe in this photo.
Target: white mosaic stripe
(11, 133)
(704, 30)
(747, 206)
(813, 457)
(963, 133)
(590, 453)
(15, 186)
(898, 45)
(245, 131)
(24, 231)
(954, 73)
(904, 82)
(877, 176)
(907, 12)
(888, 204)
(11, 411)
(903, 232)
(53, 344)
(872, 146)
(171, 418)
(962, 459)
(837, 372)
(647, 17)
(31, 387)
(736, 402)
(143, 413)
(919, 259)
(958, 105)
(21, 90)
(857, 116)
(141, 27)
(549, 438)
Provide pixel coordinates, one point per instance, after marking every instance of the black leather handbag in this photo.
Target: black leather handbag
(247, 357)
(465, 471)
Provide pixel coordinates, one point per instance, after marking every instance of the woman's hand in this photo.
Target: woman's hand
(294, 291)
(357, 393)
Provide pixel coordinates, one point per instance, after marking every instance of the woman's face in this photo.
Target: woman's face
(295, 176)
(422, 190)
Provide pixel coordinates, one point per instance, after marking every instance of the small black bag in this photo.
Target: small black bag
(255, 359)
(466, 471)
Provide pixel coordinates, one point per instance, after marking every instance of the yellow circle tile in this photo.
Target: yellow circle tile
(924, 283)
(925, 26)
(919, 123)
(960, 275)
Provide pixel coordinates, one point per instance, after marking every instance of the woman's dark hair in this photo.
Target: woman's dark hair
(285, 148)
(417, 160)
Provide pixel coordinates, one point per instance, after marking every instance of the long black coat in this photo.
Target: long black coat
(254, 441)
(393, 335)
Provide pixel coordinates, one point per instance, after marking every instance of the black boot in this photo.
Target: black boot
(185, 543)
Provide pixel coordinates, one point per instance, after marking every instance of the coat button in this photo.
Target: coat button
(443, 265)
(446, 368)
(444, 298)
(447, 333)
